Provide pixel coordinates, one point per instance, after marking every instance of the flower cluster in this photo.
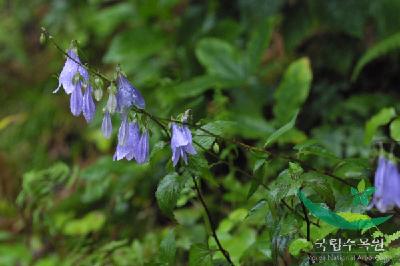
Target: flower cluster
(133, 138)
(387, 185)
(73, 78)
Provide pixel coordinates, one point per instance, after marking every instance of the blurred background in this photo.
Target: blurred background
(63, 201)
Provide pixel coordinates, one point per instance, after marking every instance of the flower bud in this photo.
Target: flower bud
(42, 38)
(111, 103)
(98, 83)
(76, 78)
(98, 94)
(216, 148)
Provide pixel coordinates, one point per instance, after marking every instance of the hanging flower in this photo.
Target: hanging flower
(181, 143)
(387, 185)
(142, 148)
(76, 100)
(88, 107)
(72, 68)
(128, 139)
(127, 95)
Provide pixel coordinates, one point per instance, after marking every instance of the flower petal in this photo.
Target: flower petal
(128, 95)
(89, 109)
(76, 100)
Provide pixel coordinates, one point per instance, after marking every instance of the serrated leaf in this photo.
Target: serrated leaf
(293, 90)
(168, 249)
(288, 126)
(381, 118)
(314, 148)
(168, 191)
(220, 128)
(200, 255)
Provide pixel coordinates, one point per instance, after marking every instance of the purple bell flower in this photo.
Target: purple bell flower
(71, 68)
(127, 149)
(123, 130)
(142, 148)
(181, 143)
(76, 100)
(127, 95)
(387, 185)
(106, 125)
(88, 108)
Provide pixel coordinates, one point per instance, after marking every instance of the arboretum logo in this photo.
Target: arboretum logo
(345, 220)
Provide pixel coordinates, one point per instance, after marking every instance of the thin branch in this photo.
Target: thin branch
(307, 219)
(298, 214)
(212, 224)
(97, 73)
(158, 121)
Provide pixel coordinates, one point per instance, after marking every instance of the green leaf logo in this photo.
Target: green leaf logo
(350, 221)
(362, 197)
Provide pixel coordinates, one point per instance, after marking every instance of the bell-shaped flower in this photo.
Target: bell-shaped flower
(76, 100)
(142, 148)
(181, 143)
(127, 95)
(106, 125)
(387, 185)
(71, 69)
(127, 149)
(88, 107)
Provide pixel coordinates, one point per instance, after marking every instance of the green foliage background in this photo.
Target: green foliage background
(315, 81)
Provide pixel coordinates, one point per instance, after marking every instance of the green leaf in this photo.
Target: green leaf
(395, 129)
(364, 200)
(293, 90)
(259, 205)
(314, 148)
(220, 59)
(200, 255)
(219, 128)
(352, 168)
(381, 118)
(195, 86)
(91, 222)
(350, 221)
(258, 165)
(298, 245)
(361, 186)
(383, 47)
(255, 183)
(369, 191)
(168, 249)
(258, 43)
(168, 191)
(274, 136)
(354, 191)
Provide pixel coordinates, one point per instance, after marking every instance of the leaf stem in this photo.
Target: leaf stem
(212, 224)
